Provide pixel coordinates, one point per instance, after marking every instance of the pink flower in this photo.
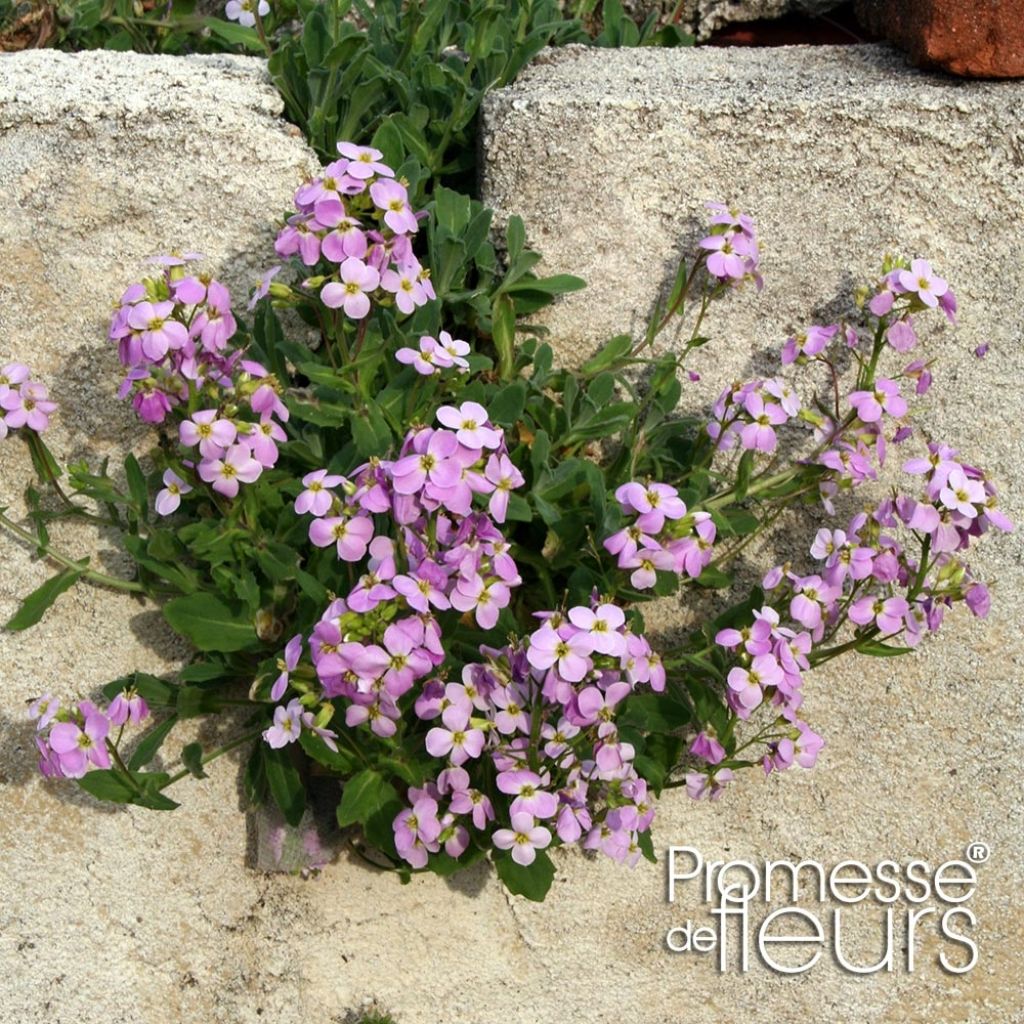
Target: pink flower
(458, 745)
(406, 287)
(159, 333)
(469, 421)
(287, 665)
(602, 627)
(571, 654)
(885, 397)
(287, 725)
(524, 838)
(317, 498)
(505, 477)
(213, 435)
(923, 282)
(484, 599)
(357, 279)
(392, 198)
(759, 434)
(29, 406)
(962, 494)
(168, 499)
(429, 359)
(352, 536)
(889, 614)
(76, 747)
(237, 466)
(364, 161)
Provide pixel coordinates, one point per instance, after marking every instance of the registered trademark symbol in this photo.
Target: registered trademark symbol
(978, 853)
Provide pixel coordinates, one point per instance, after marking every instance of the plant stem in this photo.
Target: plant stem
(214, 754)
(99, 578)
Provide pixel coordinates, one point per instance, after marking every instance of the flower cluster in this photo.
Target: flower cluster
(538, 717)
(731, 246)
(356, 222)
(172, 335)
(175, 336)
(23, 401)
(73, 738)
(748, 414)
(664, 536)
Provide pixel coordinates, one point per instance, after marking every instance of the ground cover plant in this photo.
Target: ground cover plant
(413, 556)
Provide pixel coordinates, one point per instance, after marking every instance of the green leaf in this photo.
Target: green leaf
(876, 649)
(150, 744)
(714, 579)
(337, 760)
(142, 788)
(504, 334)
(363, 796)
(210, 623)
(192, 759)
(285, 784)
(743, 474)
(609, 355)
(533, 882)
(34, 606)
(507, 406)
(234, 34)
(515, 238)
(137, 486)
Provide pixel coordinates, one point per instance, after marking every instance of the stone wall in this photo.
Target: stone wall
(137, 918)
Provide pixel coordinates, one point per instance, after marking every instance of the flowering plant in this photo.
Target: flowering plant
(416, 570)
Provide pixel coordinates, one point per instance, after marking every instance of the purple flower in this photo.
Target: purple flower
(351, 535)
(292, 653)
(707, 748)
(357, 279)
(524, 838)
(886, 397)
(469, 421)
(168, 499)
(263, 286)
(571, 654)
(364, 161)
(317, 498)
(962, 494)
(392, 198)
(127, 706)
(406, 287)
(213, 435)
(287, 724)
(920, 280)
(76, 746)
(484, 599)
(237, 466)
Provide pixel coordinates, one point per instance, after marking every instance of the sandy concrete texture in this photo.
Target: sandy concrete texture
(128, 916)
(106, 160)
(842, 154)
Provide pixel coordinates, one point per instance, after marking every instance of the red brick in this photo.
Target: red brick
(973, 38)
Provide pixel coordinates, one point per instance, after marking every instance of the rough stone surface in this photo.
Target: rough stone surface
(841, 154)
(137, 918)
(984, 39)
(105, 160)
